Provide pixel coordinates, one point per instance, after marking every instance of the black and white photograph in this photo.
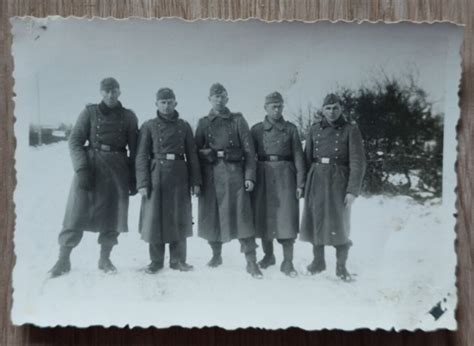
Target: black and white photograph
(235, 173)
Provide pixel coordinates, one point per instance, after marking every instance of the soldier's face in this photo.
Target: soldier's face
(332, 112)
(219, 101)
(110, 96)
(166, 106)
(274, 110)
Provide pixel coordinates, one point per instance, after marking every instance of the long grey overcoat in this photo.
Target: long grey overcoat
(165, 215)
(105, 207)
(326, 220)
(275, 207)
(225, 210)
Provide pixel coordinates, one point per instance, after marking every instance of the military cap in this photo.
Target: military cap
(331, 99)
(274, 97)
(165, 94)
(109, 83)
(217, 89)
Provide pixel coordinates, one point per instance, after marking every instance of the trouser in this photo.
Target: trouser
(248, 246)
(267, 245)
(71, 238)
(342, 252)
(178, 251)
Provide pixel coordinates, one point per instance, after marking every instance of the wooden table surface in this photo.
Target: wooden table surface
(459, 11)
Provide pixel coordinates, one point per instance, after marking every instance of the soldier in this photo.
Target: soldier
(280, 183)
(335, 153)
(167, 170)
(228, 167)
(104, 176)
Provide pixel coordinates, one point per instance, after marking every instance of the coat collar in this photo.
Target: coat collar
(324, 123)
(225, 114)
(268, 124)
(167, 118)
(106, 110)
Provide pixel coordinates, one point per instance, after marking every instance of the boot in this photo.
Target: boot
(182, 267)
(216, 259)
(287, 265)
(178, 256)
(63, 264)
(105, 264)
(342, 252)
(157, 256)
(269, 258)
(153, 267)
(319, 264)
(252, 267)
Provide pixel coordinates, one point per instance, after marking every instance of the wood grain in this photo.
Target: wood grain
(460, 11)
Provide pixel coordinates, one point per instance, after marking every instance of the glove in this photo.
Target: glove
(85, 179)
(132, 187)
(132, 190)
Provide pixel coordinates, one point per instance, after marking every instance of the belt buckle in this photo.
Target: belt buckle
(220, 153)
(170, 156)
(325, 160)
(273, 157)
(105, 147)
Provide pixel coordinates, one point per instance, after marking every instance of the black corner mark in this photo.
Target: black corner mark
(437, 311)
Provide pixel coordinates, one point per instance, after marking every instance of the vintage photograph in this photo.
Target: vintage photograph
(235, 174)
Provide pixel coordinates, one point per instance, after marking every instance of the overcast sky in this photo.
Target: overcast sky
(66, 61)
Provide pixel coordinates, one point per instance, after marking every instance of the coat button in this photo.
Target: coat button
(333, 233)
(336, 149)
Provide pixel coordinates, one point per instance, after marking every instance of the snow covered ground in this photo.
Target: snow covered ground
(403, 256)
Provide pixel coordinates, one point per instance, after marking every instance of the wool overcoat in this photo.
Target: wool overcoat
(105, 207)
(326, 219)
(225, 210)
(165, 215)
(275, 207)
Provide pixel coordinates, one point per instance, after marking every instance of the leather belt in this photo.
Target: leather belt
(108, 148)
(169, 156)
(274, 158)
(330, 161)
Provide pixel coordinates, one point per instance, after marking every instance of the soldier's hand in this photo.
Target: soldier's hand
(132, 189)
(143, 191)
(299, 193)
(349, 199)
(249, 185)
(196, 190)
(85, 179)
